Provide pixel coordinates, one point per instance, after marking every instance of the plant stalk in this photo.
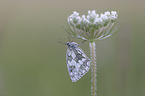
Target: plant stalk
(93, 68)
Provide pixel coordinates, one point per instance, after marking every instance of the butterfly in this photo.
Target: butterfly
(78, 63)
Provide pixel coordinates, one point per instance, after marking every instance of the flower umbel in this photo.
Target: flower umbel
(93, 26)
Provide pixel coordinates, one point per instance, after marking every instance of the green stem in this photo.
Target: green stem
(93, 68)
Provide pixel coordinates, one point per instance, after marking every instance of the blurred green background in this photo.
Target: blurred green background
(32, 62)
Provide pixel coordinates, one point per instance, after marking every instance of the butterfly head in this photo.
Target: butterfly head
(72, 45)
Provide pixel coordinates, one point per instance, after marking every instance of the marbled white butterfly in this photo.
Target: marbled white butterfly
(78, 63)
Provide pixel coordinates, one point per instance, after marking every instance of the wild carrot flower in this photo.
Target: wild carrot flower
(92, 27)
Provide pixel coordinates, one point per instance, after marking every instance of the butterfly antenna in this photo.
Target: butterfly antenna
(82, 42)
(70, 39)
(61, 42)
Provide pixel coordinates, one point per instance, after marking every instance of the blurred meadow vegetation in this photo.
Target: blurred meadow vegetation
(32, 62)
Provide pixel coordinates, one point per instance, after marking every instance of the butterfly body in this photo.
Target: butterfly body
(78, 63)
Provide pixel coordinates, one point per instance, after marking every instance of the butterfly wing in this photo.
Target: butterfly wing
(78, 63)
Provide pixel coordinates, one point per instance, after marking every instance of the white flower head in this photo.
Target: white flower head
(92, 22)
(113, 15)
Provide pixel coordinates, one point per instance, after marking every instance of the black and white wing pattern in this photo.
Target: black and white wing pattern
(78, 63)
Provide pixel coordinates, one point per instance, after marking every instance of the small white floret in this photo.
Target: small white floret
(107, 13)
(83, 16)
(98, 20)
(113, 12)
(75, 13)
(113, 15)
(94, 12)
(89, 12)
(103, 16)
